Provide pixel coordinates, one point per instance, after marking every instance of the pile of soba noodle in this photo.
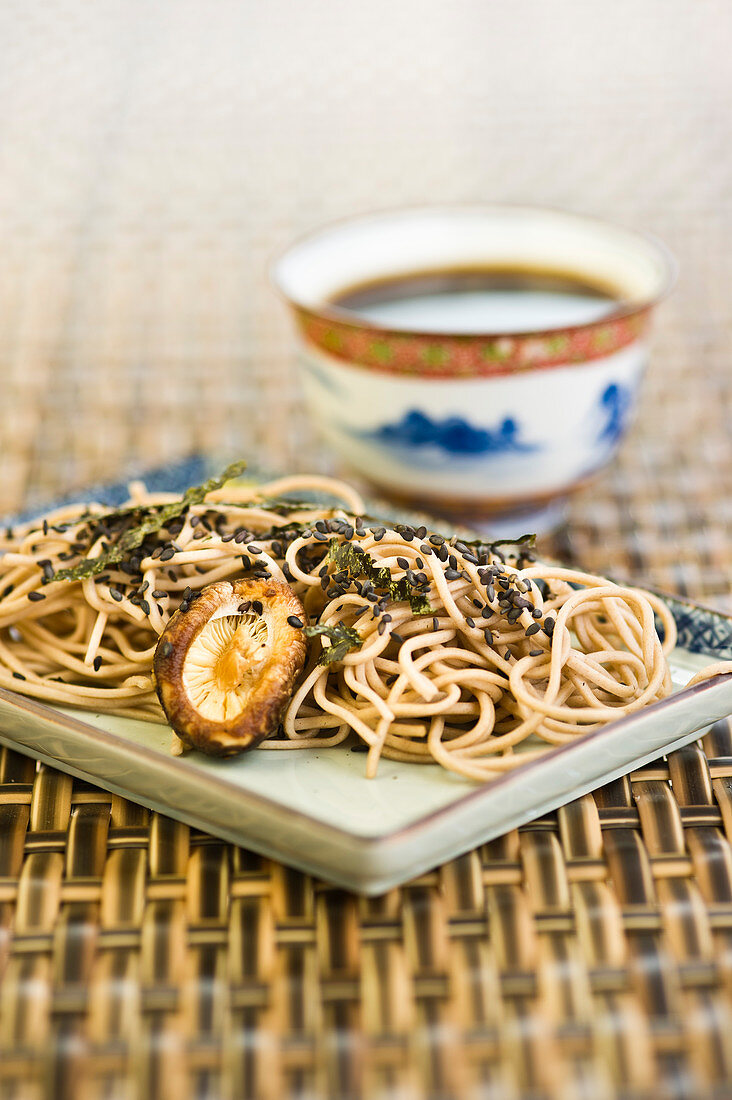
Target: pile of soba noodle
(476, 654)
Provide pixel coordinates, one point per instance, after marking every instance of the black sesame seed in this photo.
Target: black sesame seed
(536, 652)
(295, 622)
(34, 597)
(536, 613)
(228, 537)
(470, 622)
(419, 563)
(381, 627)
(436, 540)
(378, 533)
(47, 568)
(159, 594)
(549, 625)
(254, 549)
(166, 554)
(402, 563)
(421, 532)
(19, 676)
(97, 663)
(488, 636)
(145, 606)
(533, 629)
(257, 607)
(452, 574)
(397, 637)
(116, 594)
(407, 533)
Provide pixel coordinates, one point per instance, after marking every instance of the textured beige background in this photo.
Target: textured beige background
(153, 155)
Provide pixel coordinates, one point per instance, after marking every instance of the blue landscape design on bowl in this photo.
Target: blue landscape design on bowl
(453, 435)
(615, 403)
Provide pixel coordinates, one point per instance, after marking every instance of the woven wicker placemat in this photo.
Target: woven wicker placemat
(584, 955)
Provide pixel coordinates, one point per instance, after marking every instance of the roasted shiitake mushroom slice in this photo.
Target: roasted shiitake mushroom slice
(226, 664)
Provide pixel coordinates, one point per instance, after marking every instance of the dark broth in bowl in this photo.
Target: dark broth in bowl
(481, 300)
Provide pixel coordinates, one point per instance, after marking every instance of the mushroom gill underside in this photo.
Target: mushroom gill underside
(226, 664)
(222, 664)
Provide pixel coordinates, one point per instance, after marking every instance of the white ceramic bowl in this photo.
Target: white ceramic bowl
(496, 427)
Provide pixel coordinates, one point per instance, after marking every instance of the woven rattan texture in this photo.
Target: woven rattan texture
(586, 955)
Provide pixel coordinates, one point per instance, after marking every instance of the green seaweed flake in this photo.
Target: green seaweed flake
(346, 555)
(156, 518)
(342, 640)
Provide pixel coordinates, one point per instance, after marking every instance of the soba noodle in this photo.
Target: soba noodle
(491, 659)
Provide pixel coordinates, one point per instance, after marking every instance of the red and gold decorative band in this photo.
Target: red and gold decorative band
(468, 356)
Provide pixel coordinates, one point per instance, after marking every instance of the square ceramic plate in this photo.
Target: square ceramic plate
(315, 809)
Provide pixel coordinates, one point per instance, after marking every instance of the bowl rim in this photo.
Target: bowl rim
(337, 315)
